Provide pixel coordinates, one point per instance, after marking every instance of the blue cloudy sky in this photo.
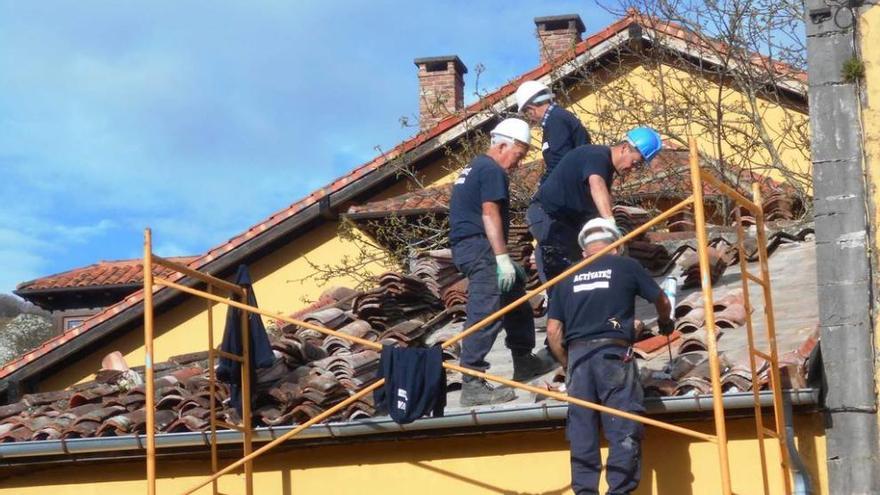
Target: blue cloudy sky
(201, 118)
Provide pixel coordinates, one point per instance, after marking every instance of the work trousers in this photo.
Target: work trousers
(557, 247)
(598, 373)
(474, 258)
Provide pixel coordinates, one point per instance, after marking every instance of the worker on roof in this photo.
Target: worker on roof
(479, 221)
(591, 331)
(562, 131)
(579, 189)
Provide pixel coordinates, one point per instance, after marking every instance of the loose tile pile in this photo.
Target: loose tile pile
(681, 221)
(519, 246)
(396, 297)
(435, 269)
(629, 218)
(654, 257)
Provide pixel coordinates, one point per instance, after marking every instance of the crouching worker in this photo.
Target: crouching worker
(591, 332)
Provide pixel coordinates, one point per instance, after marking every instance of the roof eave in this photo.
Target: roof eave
(498, 418)
(372, 215)
(50, 291)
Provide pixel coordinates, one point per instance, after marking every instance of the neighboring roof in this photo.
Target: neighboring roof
(321, 203)
(435, 199)
(428, 200)
(99, 275)
(668, 176)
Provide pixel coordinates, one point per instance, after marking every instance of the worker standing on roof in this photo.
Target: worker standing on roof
(591, 332)
(579, 189)
(561, 129)
(479, 221)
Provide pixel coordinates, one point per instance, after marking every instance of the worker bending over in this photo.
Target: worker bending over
(591, 332)
(561, 129)
(479, 221)
(579, 189)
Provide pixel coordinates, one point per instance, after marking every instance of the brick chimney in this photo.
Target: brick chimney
(558, 34)
(441, 88)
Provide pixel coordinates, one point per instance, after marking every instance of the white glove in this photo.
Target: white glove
(506, 272)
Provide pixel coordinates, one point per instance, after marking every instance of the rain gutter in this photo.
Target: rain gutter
(519, 415)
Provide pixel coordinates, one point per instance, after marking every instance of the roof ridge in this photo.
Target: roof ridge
(139, 260)
(55, 275)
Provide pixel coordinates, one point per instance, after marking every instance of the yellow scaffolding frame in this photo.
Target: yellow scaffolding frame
(698, 176)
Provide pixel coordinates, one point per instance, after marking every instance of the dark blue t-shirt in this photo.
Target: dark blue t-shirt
(562, 132)
(481, 181)
(599, 300)
(565, 194)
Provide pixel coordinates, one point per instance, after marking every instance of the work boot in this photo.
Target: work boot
(478, 392)
(528, 366)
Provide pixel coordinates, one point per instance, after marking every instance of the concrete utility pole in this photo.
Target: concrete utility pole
(843, 240)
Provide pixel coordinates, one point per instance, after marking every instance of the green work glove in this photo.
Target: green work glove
(506, 272)
(521, 274)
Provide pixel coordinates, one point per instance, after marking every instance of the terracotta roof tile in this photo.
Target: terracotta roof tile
(436, 198)
(671, 165)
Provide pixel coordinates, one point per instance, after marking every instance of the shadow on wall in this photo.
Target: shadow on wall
(489, 488)
(672, 472)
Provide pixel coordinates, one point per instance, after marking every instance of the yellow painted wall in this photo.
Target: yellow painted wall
(610, 93)
(515, 463)
(869, 30)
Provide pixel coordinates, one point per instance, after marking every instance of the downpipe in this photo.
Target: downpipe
(803, 485)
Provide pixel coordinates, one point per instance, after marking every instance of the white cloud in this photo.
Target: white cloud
(81, 234)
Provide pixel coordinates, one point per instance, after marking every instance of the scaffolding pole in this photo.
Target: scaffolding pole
(770, 319)
(750, 333)
(711, 338)
(150, 398)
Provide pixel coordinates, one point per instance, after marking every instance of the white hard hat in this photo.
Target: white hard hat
(516, 129)
(598, 229)
(531, 92)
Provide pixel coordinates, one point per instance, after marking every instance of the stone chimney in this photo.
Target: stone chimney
(441, 88)
(558, 35)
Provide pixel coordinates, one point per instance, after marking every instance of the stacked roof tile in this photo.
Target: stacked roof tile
(396, 297)
(629, 218)
(435, 269)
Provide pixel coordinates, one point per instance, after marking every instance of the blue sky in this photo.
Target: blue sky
(199, 119)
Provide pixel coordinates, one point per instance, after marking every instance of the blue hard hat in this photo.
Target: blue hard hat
(646, 140)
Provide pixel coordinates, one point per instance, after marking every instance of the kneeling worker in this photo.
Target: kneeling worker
(579, 189)
(479, 219)
(591, 332)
